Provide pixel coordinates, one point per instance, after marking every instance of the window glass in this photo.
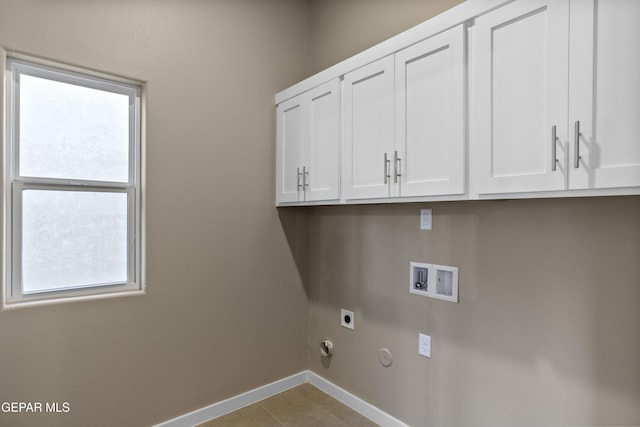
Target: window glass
(72, 132)
(73, 239)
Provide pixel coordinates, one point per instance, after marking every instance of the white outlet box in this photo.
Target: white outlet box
(424, 345)
(347, 319)
(433, 281)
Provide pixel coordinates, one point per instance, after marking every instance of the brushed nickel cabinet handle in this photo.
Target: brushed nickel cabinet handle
(299, 186)
(305, 180)
(386, 168)
(554, 141)
(576, 152)
(397, 172)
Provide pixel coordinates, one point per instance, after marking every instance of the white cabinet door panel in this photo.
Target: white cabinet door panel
(323, 149)
(291, 129)
(430, 128)
(519, 88)
(605, 93)
(368, 129)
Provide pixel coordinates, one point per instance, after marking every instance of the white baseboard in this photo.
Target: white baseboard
(256, 395)
(354, 402)
(234, 403)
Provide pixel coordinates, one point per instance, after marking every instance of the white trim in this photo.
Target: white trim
(82, 70)
(236, 402)
(600, 192)
(256, 395)
(596, 192)
(354, 402)
(34, 303)
(6, 184)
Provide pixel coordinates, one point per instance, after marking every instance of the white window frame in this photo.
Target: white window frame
(15, 184)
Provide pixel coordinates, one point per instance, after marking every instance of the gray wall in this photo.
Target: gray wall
(546, 330)
(225, 309)
(341, 28)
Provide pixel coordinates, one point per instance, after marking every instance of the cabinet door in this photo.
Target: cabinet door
(289, 155)
(430, 127)
(323, 148)
(604, 94)
(519, 91)
(368, 134)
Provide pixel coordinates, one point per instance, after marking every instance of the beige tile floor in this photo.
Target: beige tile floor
(302, 406)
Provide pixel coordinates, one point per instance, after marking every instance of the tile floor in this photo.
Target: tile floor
(302, 406)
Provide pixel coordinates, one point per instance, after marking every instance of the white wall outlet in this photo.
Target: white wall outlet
(347, 319)
(425, 219)
(424, 345)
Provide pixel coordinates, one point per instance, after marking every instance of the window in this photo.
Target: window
(72, 184)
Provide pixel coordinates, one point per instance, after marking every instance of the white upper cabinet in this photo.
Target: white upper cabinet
(555, 97)
(492, 99)
(519, 86)
(291, 117)
(604, 94)
(322, 167)
(308, 146)
(368, 130)
(403, 129)
(429, 158)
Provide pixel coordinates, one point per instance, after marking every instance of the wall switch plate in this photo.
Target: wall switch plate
(425, 219)
(424, 345)
(347, 319)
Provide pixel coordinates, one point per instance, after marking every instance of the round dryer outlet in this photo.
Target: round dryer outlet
(385, 357)
(347, 319)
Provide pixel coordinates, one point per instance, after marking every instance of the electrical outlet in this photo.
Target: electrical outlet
(424, 345)
(347, 319)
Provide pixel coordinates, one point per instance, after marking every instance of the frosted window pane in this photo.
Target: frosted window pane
(74, 132)
(73, 239)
